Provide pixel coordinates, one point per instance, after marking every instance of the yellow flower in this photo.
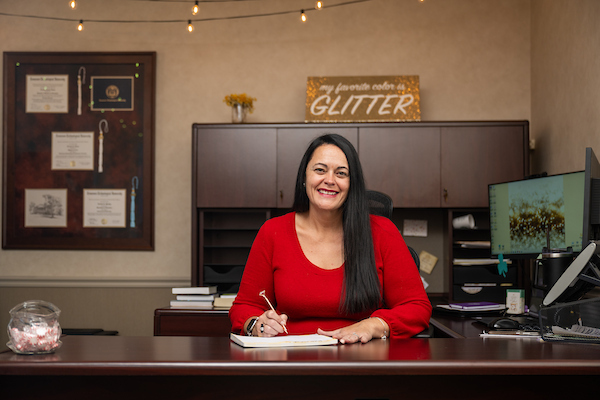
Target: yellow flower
(243, 99)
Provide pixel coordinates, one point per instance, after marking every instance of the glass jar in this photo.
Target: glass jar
(34, 328)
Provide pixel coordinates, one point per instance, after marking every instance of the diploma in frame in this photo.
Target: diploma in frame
(73, 151)
(104, 208)
(47, 94)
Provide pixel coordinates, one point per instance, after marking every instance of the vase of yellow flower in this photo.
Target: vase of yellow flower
(241, 105)
(238, 113)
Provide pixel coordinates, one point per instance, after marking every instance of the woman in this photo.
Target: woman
(329, 267)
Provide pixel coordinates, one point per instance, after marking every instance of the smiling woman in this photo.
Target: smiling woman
(323, 264)
(327, 179)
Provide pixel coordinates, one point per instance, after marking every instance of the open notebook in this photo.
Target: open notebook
(283, 341)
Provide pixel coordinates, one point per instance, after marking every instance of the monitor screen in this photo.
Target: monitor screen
(525, 214)
(591, 216)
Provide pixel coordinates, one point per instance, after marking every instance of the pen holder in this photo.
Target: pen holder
(33, 328)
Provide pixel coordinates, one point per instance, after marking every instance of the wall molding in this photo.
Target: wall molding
(95, 282)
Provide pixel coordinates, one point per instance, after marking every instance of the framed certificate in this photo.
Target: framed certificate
(104, 208)
(78, 152)
(47, 93)
(72, 151)
(112, 93)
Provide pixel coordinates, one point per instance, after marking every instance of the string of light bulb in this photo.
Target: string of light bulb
(319, 5)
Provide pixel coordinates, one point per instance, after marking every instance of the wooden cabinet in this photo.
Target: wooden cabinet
(474, 156)
(191, 322)
(234, 167)
(403, 162)
(431, 165)
(244, 174)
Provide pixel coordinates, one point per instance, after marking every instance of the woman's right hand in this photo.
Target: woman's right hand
(270, 324)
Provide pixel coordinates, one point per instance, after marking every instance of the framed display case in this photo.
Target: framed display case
(78, 151)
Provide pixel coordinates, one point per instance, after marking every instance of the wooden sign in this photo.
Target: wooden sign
(363, 99)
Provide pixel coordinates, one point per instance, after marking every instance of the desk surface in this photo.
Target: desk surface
(122, 355)
(213, 367)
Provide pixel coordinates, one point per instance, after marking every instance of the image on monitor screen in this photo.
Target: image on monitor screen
(527, 215)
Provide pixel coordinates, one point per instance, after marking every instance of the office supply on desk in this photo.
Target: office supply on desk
(511, 334)
(515, 301)
(283, 341)
(223, 302)
(477, 305)
(575, 321)
(191, 303)
(467, 313)
(195, 290)
(262, 293)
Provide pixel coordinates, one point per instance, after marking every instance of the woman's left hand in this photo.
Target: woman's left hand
(362, 331)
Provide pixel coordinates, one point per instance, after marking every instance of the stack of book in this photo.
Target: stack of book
(197, 297)
(224, 301)
(202, 297)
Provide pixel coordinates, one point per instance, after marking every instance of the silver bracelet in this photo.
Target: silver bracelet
(384, 330)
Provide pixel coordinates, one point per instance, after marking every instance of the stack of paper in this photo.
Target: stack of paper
(475, 306)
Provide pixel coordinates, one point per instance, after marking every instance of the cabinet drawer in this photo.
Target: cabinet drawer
(483, 274)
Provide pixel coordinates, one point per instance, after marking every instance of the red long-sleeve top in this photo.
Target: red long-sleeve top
(310, 296)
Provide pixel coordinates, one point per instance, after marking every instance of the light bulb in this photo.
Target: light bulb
(302, 16)
(318, 5)
(190, 27)
(195, 9)
(80, 26)
(73, 4)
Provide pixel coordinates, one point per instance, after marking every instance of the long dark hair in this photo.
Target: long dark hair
(361, 284)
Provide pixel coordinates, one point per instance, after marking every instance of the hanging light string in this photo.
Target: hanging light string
(186, 20)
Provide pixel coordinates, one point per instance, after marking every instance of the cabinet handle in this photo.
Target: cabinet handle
(445, 195)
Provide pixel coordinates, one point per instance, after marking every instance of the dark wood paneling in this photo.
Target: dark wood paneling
(475, 156)
(236, 168)
(404, 163)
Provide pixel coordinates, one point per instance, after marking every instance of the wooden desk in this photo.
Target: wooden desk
(191, 322)
(101, 367)
(451, 326)
(200, 322)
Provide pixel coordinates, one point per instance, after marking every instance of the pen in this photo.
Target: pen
(262, 293)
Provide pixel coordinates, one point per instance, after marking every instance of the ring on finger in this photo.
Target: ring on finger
(262, 328)
(355, 334)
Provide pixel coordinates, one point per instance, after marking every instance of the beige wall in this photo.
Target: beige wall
(472, 56)
(565, 83)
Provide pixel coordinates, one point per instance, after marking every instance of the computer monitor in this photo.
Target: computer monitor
(591, 207)
(530, 215)
(583, 274)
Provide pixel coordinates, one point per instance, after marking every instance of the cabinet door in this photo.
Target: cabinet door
(404, 163)
(473, 157)
(235, 167)
(291, 145)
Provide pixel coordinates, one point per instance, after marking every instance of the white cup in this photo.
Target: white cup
(464, 222)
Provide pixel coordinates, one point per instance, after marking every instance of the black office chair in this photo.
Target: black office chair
(382, 204)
